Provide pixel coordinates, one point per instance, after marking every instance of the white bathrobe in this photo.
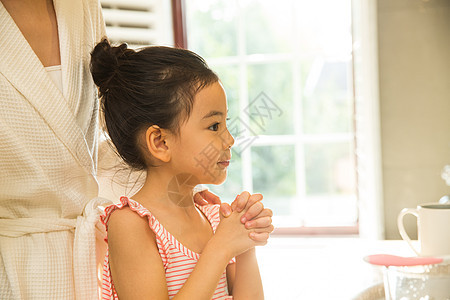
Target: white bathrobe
(48, 150)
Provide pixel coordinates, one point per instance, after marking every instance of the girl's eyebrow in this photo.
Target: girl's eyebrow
(212, 114)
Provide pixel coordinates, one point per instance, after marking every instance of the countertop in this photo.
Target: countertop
(322, 268)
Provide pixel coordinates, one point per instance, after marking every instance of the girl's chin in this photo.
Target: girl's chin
(216, 180)
(219, 182)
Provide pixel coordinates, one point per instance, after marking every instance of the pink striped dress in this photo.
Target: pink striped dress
(178, 260)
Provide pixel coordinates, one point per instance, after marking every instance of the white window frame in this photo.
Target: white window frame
(368, 134)
(299, 139)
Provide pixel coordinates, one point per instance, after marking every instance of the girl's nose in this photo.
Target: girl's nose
(228, 139)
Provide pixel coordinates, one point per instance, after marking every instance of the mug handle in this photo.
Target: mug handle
(401, 227)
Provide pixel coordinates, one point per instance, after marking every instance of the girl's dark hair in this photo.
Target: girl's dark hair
(139, 88)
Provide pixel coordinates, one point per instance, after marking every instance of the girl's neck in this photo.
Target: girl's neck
(164, 189)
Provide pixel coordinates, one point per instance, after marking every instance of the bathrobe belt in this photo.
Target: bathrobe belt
(84, 249)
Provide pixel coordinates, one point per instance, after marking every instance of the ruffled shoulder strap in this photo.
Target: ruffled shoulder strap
(153, 223)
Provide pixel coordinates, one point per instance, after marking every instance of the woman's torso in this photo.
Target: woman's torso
(48, 149)
(48, 137)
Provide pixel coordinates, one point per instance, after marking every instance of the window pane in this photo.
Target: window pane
(271, 112)
(211, 25)
(327, 211)
(327, 96)
(232, 186)
(330, 169)
(268, 26)
(330, 185)
(292, 60)
(274, 176)
(324, 27)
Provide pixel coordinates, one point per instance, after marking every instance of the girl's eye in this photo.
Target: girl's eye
(214, 127)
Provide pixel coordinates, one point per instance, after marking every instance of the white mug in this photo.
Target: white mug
(433, 227)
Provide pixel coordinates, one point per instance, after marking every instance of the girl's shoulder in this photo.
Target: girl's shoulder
(127, 216)
(126, 206)
(212, 213)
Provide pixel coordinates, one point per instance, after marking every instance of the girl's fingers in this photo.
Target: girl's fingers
(261, 222)
(259, 238)
(225, 209)
(266, 212)
(269, 229)
(253, 199)
(241, 201)
(252, 212)
(233, 204)
(245, 200)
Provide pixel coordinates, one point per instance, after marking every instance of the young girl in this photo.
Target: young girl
(165, 112)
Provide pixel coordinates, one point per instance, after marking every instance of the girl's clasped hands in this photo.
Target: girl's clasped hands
(249, 210)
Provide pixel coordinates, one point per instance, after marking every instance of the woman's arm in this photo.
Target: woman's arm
(244, 279)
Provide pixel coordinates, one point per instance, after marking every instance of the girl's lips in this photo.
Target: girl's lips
(224, 164)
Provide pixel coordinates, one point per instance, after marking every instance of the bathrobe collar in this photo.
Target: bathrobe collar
(23, 69)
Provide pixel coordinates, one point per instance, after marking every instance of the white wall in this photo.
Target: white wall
(414, 80)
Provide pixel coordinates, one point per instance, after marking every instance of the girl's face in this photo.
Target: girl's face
(203, 148)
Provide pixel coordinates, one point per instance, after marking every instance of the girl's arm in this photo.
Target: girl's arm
(136, 267)
(244, 280)
(230, 240)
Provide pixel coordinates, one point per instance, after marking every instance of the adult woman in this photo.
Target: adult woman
(48, 148)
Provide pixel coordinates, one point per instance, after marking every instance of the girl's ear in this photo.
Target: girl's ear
(156, 139)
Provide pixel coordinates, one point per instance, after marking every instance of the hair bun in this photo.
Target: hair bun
(105, 64)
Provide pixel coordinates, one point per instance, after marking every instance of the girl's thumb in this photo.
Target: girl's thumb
(225, 210)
